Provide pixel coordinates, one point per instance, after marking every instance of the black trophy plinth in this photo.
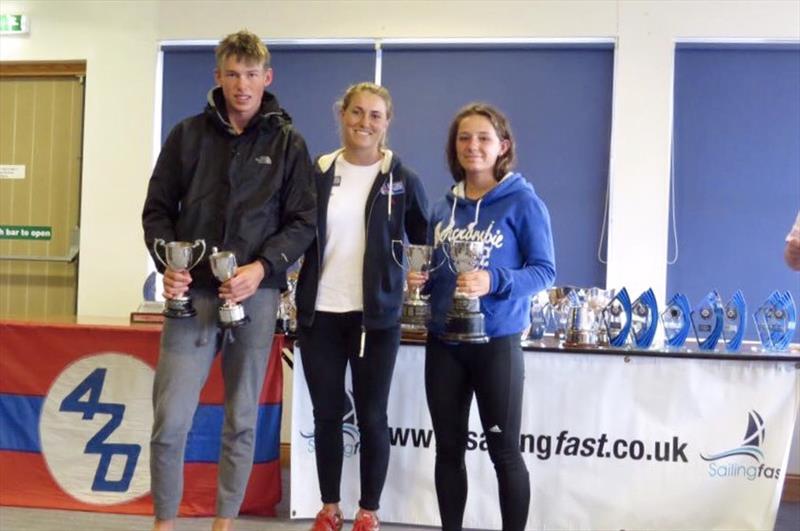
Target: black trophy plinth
(179, 308)
(415, 316)
(464, 322)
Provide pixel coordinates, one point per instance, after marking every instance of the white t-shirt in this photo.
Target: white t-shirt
(340, 284)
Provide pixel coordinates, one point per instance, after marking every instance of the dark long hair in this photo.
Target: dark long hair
(505, 162)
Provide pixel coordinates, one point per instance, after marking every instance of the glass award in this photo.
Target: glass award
(676, 320)
(734, 322)
(707, 320)
(776, 321)
(644, 319)
(539, 304)
(597, 299)
(617, 318)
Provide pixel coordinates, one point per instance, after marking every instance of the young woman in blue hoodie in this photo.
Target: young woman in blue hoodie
(490, 204)
(350, 292)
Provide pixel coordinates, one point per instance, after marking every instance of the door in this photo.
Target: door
(41, 127)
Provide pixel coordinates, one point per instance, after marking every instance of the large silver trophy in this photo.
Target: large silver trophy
(179, 256)
(464, 323)
(223, 265)
(416, 310)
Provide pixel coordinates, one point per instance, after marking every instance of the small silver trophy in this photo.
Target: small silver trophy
(178, 257)
(562, 299)
(464, 323)
(416, 309)
(223, 265)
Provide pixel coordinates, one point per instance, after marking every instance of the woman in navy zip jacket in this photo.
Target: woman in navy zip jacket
(350, 293)
(488, 203)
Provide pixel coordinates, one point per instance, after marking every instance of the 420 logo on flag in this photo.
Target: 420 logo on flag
(95, 428)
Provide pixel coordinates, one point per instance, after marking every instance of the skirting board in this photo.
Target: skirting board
(791, 487)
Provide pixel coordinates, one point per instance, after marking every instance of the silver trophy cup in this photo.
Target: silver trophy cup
(416, 310)
(223, 265)
(179, 256)
(464, 323)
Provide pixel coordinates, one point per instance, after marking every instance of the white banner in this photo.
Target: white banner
(611, 442)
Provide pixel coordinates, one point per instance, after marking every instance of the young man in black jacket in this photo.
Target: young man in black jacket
(239, 177)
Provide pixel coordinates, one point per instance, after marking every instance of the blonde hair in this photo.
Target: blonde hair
(245, 46)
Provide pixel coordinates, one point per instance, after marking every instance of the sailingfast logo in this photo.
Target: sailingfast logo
(746, 460)
(351, 437)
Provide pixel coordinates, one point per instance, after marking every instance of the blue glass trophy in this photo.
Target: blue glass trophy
(735, 322)
(617, 318)
(776, 321)
(644, 317)
(707, 319)
(676, 320)
(539, 315)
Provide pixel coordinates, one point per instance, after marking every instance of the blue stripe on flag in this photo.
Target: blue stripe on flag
(19, 429)
(19, 422)
(203, 443)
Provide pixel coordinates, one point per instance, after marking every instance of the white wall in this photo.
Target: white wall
(119, 41)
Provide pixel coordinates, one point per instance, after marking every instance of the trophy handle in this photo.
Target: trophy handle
(447, 258)
(394, 255)
(440, 264)
(201, 243)
(156, 243)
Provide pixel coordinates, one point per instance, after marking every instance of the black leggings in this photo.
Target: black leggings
(326, 347)
(494, 372)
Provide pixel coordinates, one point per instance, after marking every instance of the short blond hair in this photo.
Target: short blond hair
(245, 46)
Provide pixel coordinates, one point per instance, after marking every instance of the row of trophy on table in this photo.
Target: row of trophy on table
(182, 256)
(578, 317)
(596, 318)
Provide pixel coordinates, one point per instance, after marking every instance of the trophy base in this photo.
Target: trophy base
(580, 338)
(465, 328)
(232, 316)
(415, 316)
(179, 308)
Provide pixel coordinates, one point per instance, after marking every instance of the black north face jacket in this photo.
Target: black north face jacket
(252, 194)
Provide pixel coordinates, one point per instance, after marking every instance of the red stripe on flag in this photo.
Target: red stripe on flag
(26, 482)
(32, 355)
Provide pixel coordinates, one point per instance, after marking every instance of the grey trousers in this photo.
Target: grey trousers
(188, 346)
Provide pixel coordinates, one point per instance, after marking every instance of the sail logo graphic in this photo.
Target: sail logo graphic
(746, 460)
(351, 437)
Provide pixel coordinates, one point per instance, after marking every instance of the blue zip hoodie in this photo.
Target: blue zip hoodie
(514, 225)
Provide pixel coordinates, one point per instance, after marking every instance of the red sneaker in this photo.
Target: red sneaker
(328, 521)
(366, 521)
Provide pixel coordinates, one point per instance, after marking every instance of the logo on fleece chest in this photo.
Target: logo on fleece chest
(491, 237)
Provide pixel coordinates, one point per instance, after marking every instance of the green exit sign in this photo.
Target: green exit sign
(25, 232)
(13, 25)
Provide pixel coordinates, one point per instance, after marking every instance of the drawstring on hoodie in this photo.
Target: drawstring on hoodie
(391, 192)
(453, 211)
(477, 211)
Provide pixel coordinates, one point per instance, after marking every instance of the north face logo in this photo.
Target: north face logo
(264, 159)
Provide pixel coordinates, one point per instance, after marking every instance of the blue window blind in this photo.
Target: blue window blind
(737, 169)
(307, 81)
(558, 99)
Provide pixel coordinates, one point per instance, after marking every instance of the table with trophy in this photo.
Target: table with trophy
(625, 405)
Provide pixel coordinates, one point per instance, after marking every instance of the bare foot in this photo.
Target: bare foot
(163, 525)
(222, 524)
